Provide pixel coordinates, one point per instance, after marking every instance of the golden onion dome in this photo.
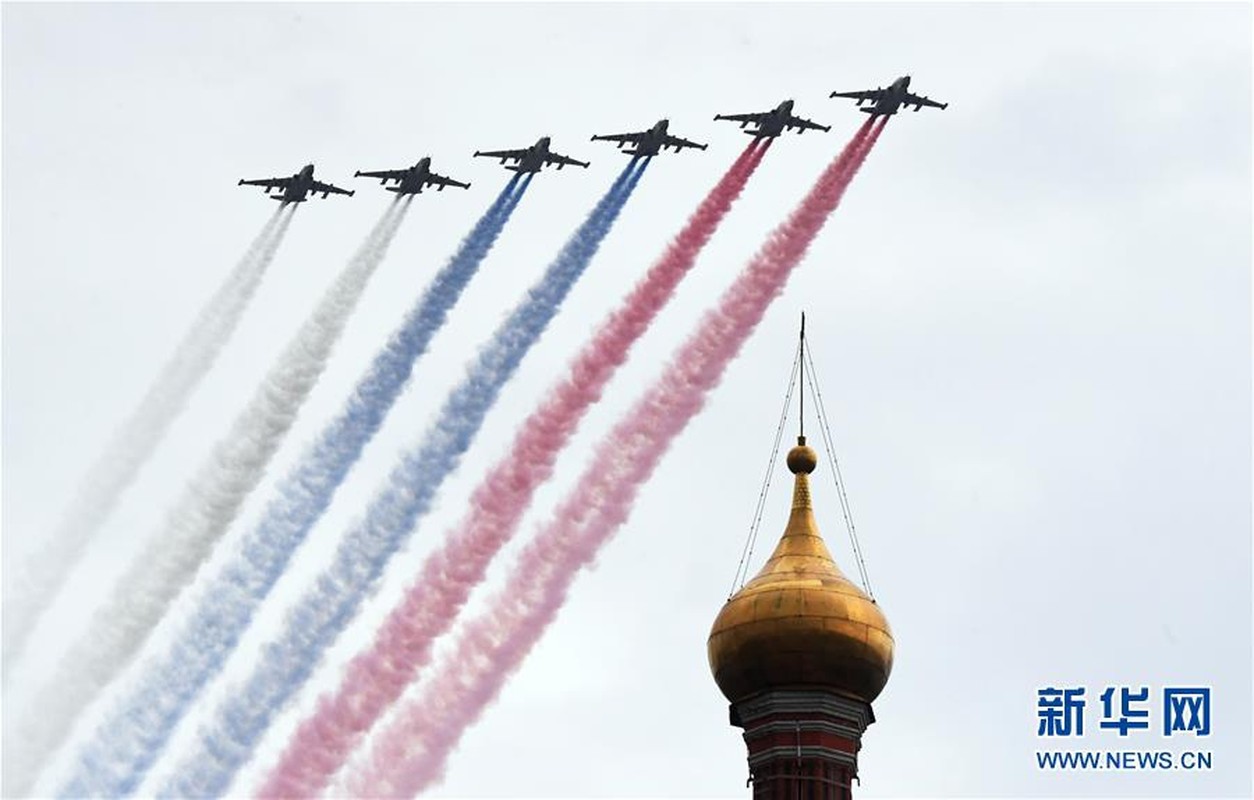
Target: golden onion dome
(800, 622)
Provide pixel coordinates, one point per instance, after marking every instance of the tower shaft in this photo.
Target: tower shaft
(802, 743)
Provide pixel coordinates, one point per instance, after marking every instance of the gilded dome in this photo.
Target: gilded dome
(800, 622)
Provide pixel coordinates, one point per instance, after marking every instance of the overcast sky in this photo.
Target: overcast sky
(1031, 317)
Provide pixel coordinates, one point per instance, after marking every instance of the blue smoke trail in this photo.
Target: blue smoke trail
(125, 745)
(228, 741)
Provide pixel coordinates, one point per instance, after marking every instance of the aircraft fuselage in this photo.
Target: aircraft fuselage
(534, 157)
(651, 144)
(773, 124)
(415, 177)
(298, 190)
(891, 102)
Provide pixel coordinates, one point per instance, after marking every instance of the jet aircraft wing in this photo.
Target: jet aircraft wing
(561, 160)
(874, 95)
(625, 138)
(269, 183)
(744, 119)
(805, 124)
(515, 155)
(679, 143)
(326, 188)
(918, 101)
(384, 175)
(441, 181)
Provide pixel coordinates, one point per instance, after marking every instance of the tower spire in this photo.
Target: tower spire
(801, 653)
(801, 383)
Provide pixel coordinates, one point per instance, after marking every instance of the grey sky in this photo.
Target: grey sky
(1031, 317)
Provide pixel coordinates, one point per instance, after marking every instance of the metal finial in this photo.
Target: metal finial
(801, 382)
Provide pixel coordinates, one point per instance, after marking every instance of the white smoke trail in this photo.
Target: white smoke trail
(204, 512)
(30, 586)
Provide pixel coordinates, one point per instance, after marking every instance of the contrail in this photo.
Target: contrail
(222, 747)
(197, 520)
(410, 752)
(123, 747)
(402, 646)
(29, 590)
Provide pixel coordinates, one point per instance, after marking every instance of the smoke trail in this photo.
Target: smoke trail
(202, 514)
(319, 616)
(402, 646)
(409, 754)
(28, 591)
(125, 745)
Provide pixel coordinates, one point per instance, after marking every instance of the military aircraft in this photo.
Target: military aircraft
(531, 159)
(412, 180)
(648, 143)
(888, 101)
(774, 122)
(294, 189)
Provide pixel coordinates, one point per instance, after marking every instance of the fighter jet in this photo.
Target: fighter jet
(412, 180)
(773, 123)
(295, 188)
(531, 159)
(650, 142)
(888, 101)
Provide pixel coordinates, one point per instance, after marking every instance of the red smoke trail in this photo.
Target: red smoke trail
(402, 646)
(409, 754)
